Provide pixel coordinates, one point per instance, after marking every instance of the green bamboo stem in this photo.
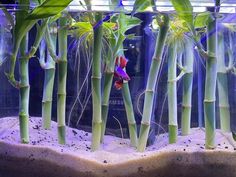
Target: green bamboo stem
(24, 91)
(108, 78)
(48, 87)
(130, 114)
(20, 30)
(222, 84)
(109, 72)
(39, 35)
(210, 85)
(151, 83)
(62, 75)
(172, 93)
(187, 89)
(96, 85)
(17, 39)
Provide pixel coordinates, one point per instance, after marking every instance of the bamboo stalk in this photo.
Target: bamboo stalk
(24, 91)
(151, 83)
(130, 114)
(109, 72)
(210, 85)
(172, 93)
(105, 100)
(187, 88)
(48, 86)
(222, 84)
(96, 84)
(62, 75)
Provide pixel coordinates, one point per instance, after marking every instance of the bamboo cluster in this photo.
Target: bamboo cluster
(108, 32)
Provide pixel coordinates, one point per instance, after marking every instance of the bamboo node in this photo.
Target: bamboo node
(96, 77)
(188, 71)
(46, 101)
(186, 106)
(157, 59)
(32, 51)
(61, 61)
(211, 57)
(97, 121)
(145, 123)
(222, 72)
(105, 104)
(49, 67)
(23, 114)
(172, 81)
(149, 90)
(223, 106)
(131, 123)
(209, 101)
(24, 86)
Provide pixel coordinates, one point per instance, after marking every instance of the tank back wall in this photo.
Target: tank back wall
(139, 53)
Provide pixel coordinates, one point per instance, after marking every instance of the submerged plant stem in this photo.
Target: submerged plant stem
(24, 92)
(62, 75)
(187, 89)
(48, 87)
(222, 84)
(96, 84)
(108, 78)
(210, 85)
(130, 114)
(151, 83)
(172, 93)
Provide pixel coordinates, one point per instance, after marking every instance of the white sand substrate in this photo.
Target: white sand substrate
(43, 156)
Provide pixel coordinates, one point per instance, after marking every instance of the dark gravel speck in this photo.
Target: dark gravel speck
(74, 132)
(36, 127)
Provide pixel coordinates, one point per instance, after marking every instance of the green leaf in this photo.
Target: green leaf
(54, 18)
(48, 8)
(109, 25)
(184, 10)
(202, 19)
(127, 22)
(143, 5)
(83, 28)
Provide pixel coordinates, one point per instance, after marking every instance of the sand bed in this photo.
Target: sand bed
(43, 157)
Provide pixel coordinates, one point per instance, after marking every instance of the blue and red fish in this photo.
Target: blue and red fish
(120, 72)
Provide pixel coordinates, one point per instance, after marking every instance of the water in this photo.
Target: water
(170, 100)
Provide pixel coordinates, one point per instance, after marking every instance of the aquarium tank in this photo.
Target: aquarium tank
(118, 88)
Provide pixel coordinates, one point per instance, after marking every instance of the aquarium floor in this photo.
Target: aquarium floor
(43, 156)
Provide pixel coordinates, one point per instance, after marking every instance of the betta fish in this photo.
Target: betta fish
(120, 72)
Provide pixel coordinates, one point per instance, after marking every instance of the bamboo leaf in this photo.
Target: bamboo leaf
(143, 5)
(86, 29)
(54, 18)
(184, 10)
(109, 25)
(127, 22)
(202, 19)
(48, 8)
